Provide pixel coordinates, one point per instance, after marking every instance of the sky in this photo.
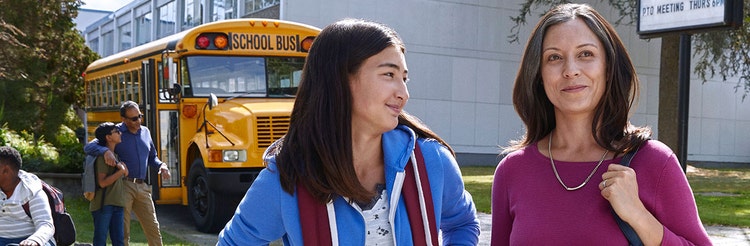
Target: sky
(108, 5)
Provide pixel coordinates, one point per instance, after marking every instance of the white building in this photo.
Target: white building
(461, 65)
(86, 17)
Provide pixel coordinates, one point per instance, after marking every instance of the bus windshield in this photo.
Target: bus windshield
(230, 76)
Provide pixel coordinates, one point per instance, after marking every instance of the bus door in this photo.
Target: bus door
(167, 140)
(148, 85)
(163, 120)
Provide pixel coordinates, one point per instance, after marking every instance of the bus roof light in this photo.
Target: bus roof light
(212, 41)
(202, 42)
(307, 43)
(220, 41)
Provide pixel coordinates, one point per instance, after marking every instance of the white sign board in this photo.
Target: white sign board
(659, 16)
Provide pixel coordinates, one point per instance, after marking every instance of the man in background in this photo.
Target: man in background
(137, 151)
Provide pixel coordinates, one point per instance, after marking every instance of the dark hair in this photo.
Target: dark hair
(103, 130)
(10, 156)
(620, 95)
(317, 149)
(126, 105)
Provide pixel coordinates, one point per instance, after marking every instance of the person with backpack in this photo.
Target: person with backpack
(138, 152)
(18, 188)
(107, 205)
(354, 167)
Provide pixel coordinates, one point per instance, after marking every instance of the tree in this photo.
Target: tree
(724, 53)
(9, 51)
(40, 72)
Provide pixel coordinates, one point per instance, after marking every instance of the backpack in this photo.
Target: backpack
(65, 230)
(88, 178)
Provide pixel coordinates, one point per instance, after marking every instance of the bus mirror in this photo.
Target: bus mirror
(175, 91)
(212, 101)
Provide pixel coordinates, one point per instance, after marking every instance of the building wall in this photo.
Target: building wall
(462, 68)
(88, 16)
(719, 127)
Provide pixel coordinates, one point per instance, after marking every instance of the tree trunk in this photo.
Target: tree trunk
(668, 91)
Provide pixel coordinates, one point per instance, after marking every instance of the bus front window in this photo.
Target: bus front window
(243, 76)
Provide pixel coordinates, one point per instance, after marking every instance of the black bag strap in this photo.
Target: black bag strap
(624, 226)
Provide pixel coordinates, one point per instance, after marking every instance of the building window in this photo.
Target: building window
(108, 43)
(143, 29)
(256, 5)
(126, 36)
(94, 44)
(224, 10)
(193, 14)
(167, 20)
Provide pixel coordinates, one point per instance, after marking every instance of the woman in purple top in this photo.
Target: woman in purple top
(558, 185)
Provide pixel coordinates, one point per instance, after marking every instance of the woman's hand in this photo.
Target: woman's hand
(620, 187)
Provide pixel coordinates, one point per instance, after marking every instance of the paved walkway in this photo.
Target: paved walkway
(724, 235)
(720, 235)
(176, 220)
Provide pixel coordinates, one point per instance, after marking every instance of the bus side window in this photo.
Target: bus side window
(168, 92)
(121, 87)
(126, 86)
(135, 87)
(163, 84)
(108, 91)
(92, 94)
(99, 92)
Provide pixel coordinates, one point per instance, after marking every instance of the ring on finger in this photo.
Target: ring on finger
(604, 184)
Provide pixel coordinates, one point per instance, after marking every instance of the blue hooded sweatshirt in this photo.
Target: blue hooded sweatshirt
(268, 213)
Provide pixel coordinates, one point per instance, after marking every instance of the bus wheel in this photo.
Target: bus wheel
(205, 205)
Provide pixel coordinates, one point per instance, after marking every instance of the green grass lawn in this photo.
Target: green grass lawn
(722, 195)
(478, 182)
(79, 210)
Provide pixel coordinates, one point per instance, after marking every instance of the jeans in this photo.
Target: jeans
(109, 219)
(11, 241)
(16, 241)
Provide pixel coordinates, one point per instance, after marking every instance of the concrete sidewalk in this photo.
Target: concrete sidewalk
(720, 235)
(724, 235)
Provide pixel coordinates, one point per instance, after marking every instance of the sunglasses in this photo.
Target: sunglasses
(136, 118)
(115, 131)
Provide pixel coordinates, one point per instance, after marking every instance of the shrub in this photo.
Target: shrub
(40, 156)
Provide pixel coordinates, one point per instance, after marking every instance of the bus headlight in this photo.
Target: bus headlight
(234, 155)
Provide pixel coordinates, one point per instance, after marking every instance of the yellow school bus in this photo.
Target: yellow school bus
(214, 97)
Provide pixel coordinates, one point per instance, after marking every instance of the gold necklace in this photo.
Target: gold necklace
(549, 149)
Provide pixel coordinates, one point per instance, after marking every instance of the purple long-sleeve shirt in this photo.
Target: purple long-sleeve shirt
(137, 150)
(530, 207)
